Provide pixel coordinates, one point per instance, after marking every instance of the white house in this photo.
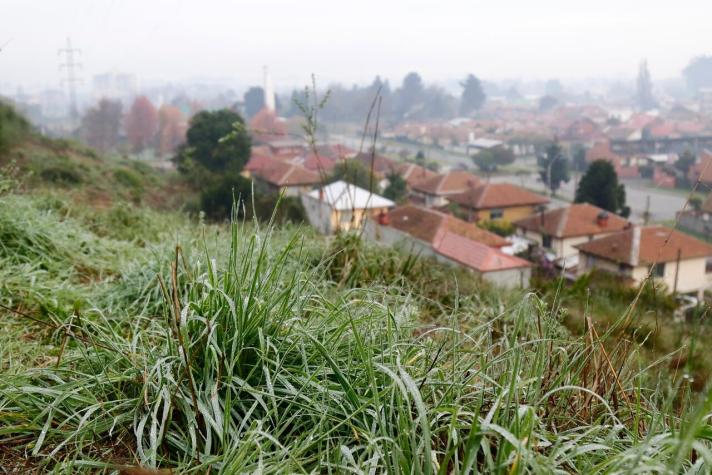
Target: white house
(342, 206)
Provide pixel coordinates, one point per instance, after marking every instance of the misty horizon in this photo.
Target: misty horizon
(228, 44)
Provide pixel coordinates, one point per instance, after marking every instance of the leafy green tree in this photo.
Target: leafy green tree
(490, 159)
(553, 167)
(216, 198)
(356, 173)
(217, 141)
(686, 160)
(397, 188)
(599, 186)
(473, 96)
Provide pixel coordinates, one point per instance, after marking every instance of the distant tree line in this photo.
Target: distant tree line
(107, 127)
(412, 100)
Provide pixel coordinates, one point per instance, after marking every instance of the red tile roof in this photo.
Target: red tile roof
(413, 174)
(287, 174)
(259, 162)
(645, 246)
(474, 254)
(571, 221)
(497, 195)
(319, 163)
(425, 224)
(602, 151)
(448, 184)
(381, 165)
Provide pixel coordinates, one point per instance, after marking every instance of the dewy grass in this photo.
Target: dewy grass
(254, 350)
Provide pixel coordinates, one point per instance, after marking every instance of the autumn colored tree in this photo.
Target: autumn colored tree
(171, 129)
(100, 125)
(141, 124)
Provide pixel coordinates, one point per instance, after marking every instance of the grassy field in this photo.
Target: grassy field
(178, 345)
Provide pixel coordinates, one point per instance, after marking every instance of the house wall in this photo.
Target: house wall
(508, 214)
(318, 213)
(386, 235)
(345, 220)
(510, 278)
(691, 277)
(560, 247)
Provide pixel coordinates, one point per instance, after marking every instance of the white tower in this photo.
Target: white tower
(269, 91)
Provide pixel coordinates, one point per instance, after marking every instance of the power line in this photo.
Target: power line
(70, 78)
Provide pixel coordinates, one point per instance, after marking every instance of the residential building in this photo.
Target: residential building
(450, 240)
(412, 173)
(681, 262)
(435, 191)
(626, 167)
(342, 206)
(501, 202)
(697, 221)
(291, 179)
(426, 223)
(557, 231)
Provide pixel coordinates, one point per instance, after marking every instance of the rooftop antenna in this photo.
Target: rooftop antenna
(70, 78)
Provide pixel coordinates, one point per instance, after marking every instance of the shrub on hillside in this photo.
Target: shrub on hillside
(61, 174)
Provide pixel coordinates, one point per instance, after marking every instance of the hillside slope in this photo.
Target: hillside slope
(205, 348)
(89, 178)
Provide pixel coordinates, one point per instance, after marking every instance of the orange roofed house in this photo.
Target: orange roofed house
(280, 176)
(497, 202)
(684, 263)
(434, 191)
(448, 239)
(559, 230)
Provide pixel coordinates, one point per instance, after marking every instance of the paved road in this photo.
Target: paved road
(663, 203)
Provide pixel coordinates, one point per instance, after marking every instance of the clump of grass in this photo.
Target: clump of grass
(263, 359)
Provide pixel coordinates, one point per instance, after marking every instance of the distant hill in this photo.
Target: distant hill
(79, 171)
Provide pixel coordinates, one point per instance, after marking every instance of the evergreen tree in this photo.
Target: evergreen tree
(644, 93)
(473, 96)
(599, 186)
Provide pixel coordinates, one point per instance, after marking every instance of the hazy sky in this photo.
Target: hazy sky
(352, 41)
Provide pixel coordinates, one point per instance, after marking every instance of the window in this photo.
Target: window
(659, 270)
(708, 265)
(624, 268)
(496, 214)
(546, 241)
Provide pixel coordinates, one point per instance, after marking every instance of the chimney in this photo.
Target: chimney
(602, 219)
(268, 91)
(383, 218)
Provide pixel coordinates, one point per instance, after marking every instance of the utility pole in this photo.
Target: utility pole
(70, 78)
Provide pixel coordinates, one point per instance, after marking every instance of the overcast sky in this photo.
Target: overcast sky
(352, 41)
